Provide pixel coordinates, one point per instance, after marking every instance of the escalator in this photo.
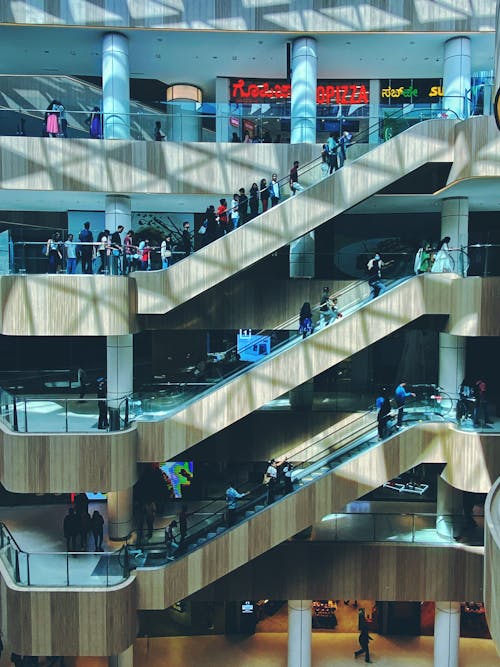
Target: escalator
(341, 466)
(160, 291)
(165, 431)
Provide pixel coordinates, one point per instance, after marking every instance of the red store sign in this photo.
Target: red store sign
(327, 92)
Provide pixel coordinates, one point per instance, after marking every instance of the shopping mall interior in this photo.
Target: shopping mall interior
(249, 284)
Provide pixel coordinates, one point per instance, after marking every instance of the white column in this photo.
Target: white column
(304, 82)
(450, 510)
(451, 363)
(120, 513)
(457, 76)
(223, 131)
(446, 634)
(120, 374)
(299, 633)
(373, 135)
(125, 659)
(118, 212)
(455, 224)
(496, 72)
(115, 86)
(302, 256)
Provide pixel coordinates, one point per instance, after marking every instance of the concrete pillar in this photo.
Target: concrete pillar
(302, 258)
(451, 363)
(223, 131)
(304, 83)
(115, 86)
(125, 659)
(450, 509)
(457, 76)
(120, 374)
(496, 72)
(120, 513)
(455, 224)
(299, 633)
(446, 634)
(374, 134)
(183, 119)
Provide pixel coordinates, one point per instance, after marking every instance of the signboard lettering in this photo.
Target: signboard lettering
(327, 92)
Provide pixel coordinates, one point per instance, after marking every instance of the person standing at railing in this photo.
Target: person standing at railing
(232, 497)
(286, 470)
(52, 122)
(274, 190)
(128, 252)
(97, 527)
(295, 186)
(186, 239)
(166, 251)
(70, 529)
(271, 480)
(400, 396)
(116, 250)
(94, 123)
(103, 250)
(170, 539)
(481, 406)
(86, 251)
(158, 132)
(70, 247)
(102, 389)
(423, 259)
(53, 252)
(63, 123)
(443, 261)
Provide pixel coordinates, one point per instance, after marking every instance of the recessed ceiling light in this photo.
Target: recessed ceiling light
(348, 43)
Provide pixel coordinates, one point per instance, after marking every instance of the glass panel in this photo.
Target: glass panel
(355, 527)
(393, 527)
(46, 569)
(83, 414)
(42, 416)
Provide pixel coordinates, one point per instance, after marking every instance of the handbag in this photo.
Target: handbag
(266, 479)
(202, 229)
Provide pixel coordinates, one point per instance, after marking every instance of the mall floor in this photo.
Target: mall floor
(270, 650)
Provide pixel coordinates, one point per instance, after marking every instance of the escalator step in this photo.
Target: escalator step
(249, 513)
(259, 507)
(220, 530)
(210, 536)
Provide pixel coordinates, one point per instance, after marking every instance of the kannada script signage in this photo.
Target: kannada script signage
(407, 91)
(327, 92)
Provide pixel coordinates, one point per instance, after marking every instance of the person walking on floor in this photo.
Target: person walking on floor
(364, 639)
(232, 497)
(70, 529)
(400, 396)
(97, 527)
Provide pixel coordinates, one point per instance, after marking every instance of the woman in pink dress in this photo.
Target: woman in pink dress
(52, 122)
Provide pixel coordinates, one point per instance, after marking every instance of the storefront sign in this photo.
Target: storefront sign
(327, 92)
(404, 91)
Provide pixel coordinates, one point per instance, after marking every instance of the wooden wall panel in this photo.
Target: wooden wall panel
(492, 562)
(350, 571)
(249, 301)
(67, 462)
(233, 15)
(85, 621)
(61, 305)
(473, 462)
(139, 167)
(160, 291)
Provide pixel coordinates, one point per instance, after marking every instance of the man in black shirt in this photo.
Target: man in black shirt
(243, 206)
(186, 239)
(116, 250)
(86, 251)
(374, 267)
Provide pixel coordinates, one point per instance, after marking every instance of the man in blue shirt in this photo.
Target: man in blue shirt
(400, 396)
(232, 496)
